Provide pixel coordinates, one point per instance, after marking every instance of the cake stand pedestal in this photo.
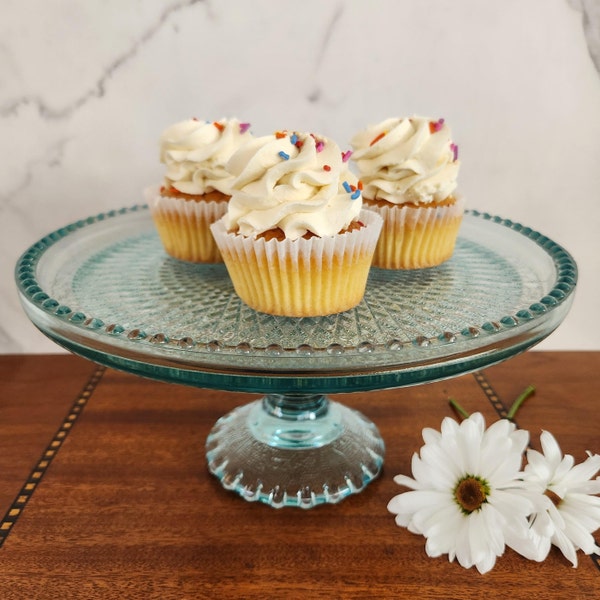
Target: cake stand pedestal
(103, 288)
(293, 449)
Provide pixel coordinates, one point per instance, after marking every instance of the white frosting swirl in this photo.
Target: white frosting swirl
(296, 182)
(407, 160)
(196, 152)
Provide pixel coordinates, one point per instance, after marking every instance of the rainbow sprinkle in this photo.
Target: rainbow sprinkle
(355, 195)
(284, 155)
(454, 149)
(294, 139)
(326, 168)
(435, 125)
(346, 155)
(319, 146)
(347, 187)
(244, 127)
(377, 138)
(280, 135)
(219, 126)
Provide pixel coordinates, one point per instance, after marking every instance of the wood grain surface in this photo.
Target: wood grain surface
(105, 493)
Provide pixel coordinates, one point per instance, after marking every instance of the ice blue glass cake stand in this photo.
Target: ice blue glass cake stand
(104, 289)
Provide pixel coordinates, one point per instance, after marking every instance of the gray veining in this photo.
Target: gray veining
(86, 89)
(98, 90)
(590, 15)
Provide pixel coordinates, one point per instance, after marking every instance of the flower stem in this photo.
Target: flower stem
(458, 408)
(528, 391)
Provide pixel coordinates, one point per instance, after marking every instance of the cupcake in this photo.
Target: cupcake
(195, 190)
(409, 169)
(295, 239)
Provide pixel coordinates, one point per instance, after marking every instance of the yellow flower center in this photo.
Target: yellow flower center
(556, 499)
(471, 493)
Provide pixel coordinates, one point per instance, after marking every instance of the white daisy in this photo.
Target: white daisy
(467, 491)
(570, 513)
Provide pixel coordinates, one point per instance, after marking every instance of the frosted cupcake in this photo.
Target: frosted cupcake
(196, 186)
(409, 168)
(295, 239)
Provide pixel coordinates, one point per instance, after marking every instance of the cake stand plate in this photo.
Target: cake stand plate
(103, 288)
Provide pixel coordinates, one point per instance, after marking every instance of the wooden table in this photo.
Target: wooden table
(105, 492)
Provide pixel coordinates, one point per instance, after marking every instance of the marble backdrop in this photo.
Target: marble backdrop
(87, 87)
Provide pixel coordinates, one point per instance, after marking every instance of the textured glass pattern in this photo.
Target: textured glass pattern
(106, 283)
(104, 288)
(295, 462)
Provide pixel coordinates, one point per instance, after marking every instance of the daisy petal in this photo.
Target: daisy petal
(512, 505)
(480, 541)
(431, 436)
(551, 449)
(563, 468)
(564, 544)
(411, 502)
(441, 534)
(580, 537)
(406, 482)
(532, 546)
(582, 472)
(584, 508)
(537, 467)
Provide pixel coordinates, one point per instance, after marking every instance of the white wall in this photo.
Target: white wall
(86, 88)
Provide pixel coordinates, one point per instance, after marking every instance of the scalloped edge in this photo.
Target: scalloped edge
(25, 277)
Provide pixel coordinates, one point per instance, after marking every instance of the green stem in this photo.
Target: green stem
(528, 391)
(458, 408)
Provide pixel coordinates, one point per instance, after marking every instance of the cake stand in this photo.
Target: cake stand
(103, 288)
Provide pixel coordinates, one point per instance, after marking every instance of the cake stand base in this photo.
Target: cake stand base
(294, 450)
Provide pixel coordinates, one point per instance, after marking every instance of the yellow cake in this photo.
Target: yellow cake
(295, 240)
(195, 190)
(409, 170)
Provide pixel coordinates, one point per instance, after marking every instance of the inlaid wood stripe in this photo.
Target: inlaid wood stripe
(495, 400)
(18, 505)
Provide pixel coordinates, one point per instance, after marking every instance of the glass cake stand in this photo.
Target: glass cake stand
(103, 288)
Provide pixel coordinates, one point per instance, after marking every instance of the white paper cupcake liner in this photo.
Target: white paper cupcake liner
(417, 237)
(303, 277)
(184, 225)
